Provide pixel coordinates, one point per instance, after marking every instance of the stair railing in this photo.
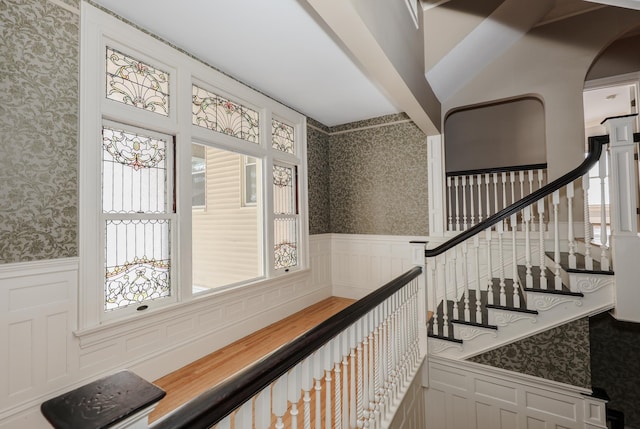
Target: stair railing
(473, 195)
(350, 371)
(488, 262)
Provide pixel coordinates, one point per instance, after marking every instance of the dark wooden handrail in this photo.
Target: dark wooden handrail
(595, 150)
(497, 170)
(216, 403)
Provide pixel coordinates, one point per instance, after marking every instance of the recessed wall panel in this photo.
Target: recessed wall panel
(21, 353)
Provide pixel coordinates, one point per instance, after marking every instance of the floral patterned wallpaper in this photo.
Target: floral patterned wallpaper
(378, 178)
(615, 364)
(559, 354)
(318, 178)
(38, 126)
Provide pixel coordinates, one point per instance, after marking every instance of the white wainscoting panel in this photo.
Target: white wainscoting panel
(465, 395)
(362, 263)
(42, 355)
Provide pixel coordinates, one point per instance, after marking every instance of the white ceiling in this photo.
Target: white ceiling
(274, 46)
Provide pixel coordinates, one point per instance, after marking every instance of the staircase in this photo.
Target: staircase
(501, 320)
(527, 268)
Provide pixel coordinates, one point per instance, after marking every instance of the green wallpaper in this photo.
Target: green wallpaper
(318, 178)
(38, 127)
(559, 354)
(378, 180)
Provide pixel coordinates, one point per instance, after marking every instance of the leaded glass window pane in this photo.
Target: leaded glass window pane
(284, 194)
(134, 172)
(137, 262)
(285, 243)
(282, 136)
(136, 83)
(224, 116)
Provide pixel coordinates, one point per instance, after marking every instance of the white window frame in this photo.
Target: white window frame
(98, 30)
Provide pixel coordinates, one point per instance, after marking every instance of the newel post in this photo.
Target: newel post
(623, 203)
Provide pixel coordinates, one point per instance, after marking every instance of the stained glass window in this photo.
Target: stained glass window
(285, 208)
(224, 116)
(134, 172)
(285, 243)
(284, 198)
(137, 197)
(133, 82)
(282, 136)
(137, 263)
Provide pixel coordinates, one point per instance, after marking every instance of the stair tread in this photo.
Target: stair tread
(479, 325)
(535, 274)
(518, 309)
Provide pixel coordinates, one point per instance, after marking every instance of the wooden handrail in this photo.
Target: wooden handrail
(595, 150)
(497, 170)
(216, 403)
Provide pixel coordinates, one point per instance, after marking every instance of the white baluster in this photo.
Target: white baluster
(362, 345)
(527, 247)
(345, 380)
(540, 178)
(224, 423)
(472, 200)
(327, 384)
(306, 383)
(353, 387)
(512, 183)
(463, 179)
(588, 259)
(530, 174)
(318, 373)
(514, 256)
(495, 193)
(479, 183)
(433, 265)
(503, 294)
(604, 254)
(374, 359)
(489, 269)
(279, 402)
(487, 181)
(556, 241)
(263, 405)
(366, 369)
(543, 257)
(570, 236)
(293, 393)
(337, 373)
(456, 185)
(504, 190)
(445, 306)
(450, 193)
(465, 279)
(521, 179)
(243, 418)
(454, 283)
(476, 257)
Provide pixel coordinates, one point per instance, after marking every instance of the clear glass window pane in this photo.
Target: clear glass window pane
(250, 181)
(284, 190)
(224, 116)
(137, 262)
(198, 175)
(285, 243)
(282, 137)
(138, 84)
(227, 238)
(134, 172)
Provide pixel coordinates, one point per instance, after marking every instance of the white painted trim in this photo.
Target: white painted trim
(436, 186)
(464, 394)
(100, 29)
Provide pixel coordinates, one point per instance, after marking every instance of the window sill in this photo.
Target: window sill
(113, 329)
